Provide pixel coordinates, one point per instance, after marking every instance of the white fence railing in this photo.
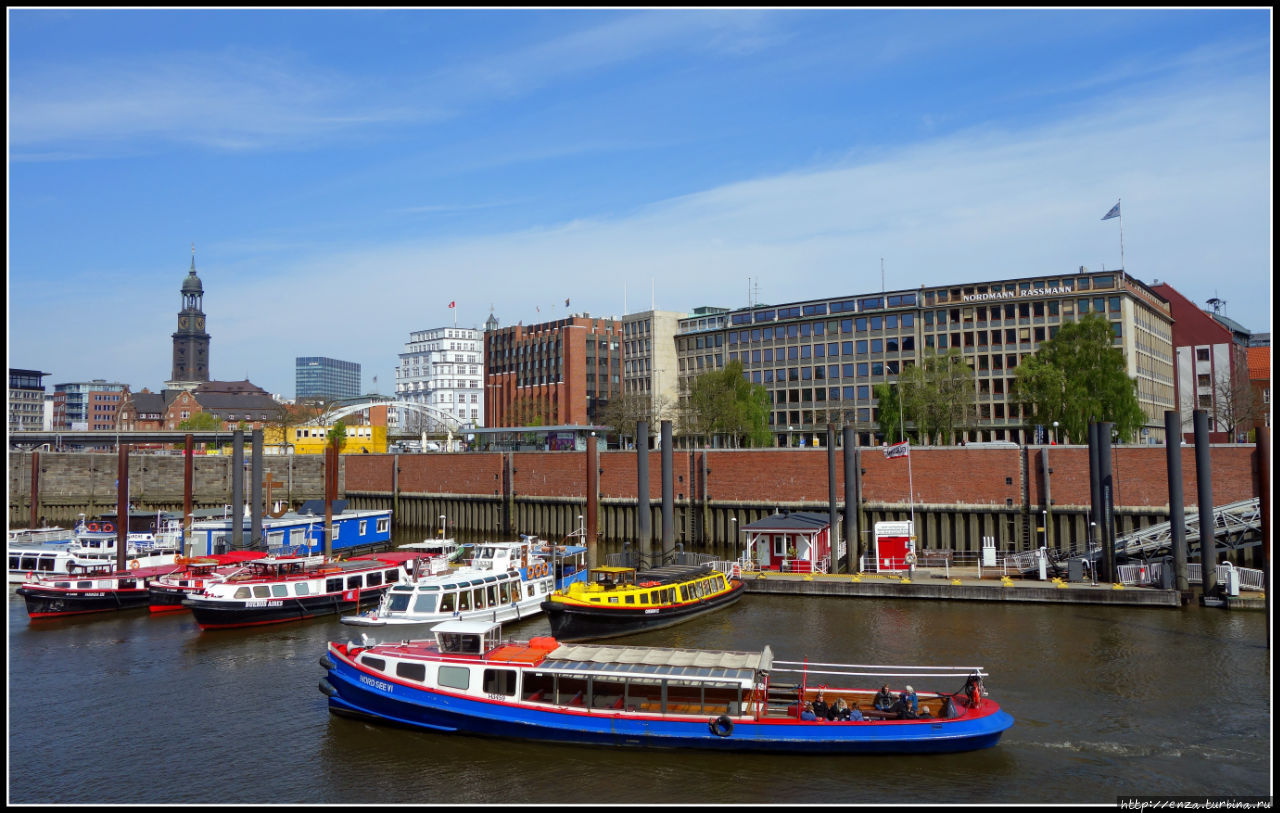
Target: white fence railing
(1151, 573)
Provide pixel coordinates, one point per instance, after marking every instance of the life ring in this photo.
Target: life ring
(721, 726)
(107, 528)
(538, 570)
(177, 558)
(134, 564)
(911, 558)
(92, 526)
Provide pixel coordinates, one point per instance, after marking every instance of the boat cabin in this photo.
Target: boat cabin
(790, 542)
(610, 577)
(467, 637)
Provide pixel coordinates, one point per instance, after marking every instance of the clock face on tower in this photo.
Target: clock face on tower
(199, 323)
(182, 322)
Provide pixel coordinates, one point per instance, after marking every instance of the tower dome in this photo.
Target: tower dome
(191, 285)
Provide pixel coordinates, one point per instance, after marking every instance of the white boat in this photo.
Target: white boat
(448, 549)
(92, 545)
(505, 581)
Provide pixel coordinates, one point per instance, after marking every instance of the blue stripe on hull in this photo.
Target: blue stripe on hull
(406, 706)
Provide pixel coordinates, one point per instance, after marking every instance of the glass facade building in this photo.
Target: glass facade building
(320, 377)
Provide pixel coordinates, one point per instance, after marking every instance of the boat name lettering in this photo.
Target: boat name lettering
(496, 696)
(262, 602)
(93, 594)
(380, 685)
(651, 610)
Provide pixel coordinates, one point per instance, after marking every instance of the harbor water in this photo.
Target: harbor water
(127, 708)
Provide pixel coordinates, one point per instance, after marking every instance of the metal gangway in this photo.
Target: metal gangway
(1152, 573)
(1232, 524)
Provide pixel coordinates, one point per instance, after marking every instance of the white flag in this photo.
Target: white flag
(902, 449)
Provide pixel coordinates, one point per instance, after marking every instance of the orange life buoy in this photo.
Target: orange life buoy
(135, 564)
(92, 526)
(107, 527)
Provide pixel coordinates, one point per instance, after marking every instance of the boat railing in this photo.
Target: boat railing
(630, 558)
(816, 674)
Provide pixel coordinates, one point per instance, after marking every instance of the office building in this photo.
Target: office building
(318, 377)
(442, 370)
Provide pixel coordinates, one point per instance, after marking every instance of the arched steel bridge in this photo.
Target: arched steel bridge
(348, 406)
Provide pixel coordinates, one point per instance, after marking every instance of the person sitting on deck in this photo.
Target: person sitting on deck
(839, 711)
(820, 708)
(808, 714)
(907, 705)
(884, 700)
(855, 715)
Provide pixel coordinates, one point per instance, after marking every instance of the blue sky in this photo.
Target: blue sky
(344, 175)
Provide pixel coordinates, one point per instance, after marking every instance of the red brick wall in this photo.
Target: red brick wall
(939, 476)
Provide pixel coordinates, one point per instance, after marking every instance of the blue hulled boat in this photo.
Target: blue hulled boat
(467, 679)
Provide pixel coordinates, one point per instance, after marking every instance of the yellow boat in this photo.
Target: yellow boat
(622, 601)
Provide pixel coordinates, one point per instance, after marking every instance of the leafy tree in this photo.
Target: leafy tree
(889, 413)
(201, 421)
(937, 397)
(338, 435)
(1078, 377)
(723, 402)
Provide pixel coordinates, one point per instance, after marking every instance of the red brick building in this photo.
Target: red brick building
(554, 373)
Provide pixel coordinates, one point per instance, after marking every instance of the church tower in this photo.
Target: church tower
(190, 342)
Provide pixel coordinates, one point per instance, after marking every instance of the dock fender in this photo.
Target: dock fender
(326, 662)
(326, 688)
(721, 726)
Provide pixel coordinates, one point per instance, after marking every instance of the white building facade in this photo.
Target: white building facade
(442, 368)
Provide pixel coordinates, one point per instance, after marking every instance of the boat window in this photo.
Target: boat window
(644, 598)
(28, 563)
(464, 600)
(425, 603)
(84, 585)
(477, 599)
(261, 591)
(280, 590)
(539, 687)
(392, 575)
(353, 582)
(684, 592)
(631, 599)
(241, 592)
(374, 579)
(499, 682)
(398, 602)
(454, 677)
(302, 589)
(493, 595)
(613, 599)
(374, 663)
(504, 592)
(446, 602)
(412, 671)
(571, 691)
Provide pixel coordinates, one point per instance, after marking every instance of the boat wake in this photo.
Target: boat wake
(1120, 749)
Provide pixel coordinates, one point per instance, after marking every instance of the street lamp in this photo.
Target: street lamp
(442, 523)
(1055, 433)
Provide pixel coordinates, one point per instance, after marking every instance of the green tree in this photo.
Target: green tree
(338, 434)
(889, 412)
(201, 422)
(724, 403)
(1077, 377)
(625, 411)
(937, 397)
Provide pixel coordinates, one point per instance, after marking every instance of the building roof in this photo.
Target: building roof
(1259, 361)
(149, 402)
(803, 521)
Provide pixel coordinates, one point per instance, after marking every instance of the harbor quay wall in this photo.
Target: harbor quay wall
(1021, 497)
(72, 483)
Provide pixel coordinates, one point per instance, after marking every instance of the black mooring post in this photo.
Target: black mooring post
(833, 509)
(1106, 482)
(668, 493)
(851, 477)
(1204, 491)
(1177, 512)
(1095, 500)
(237, 490)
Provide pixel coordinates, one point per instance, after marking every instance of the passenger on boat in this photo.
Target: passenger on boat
(855, 715)
(907, 707)
(808, 714)
(884, 700)
(839, 711)
(821, 709)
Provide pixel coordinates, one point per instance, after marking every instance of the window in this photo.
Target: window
(454, 677)
(499, 681)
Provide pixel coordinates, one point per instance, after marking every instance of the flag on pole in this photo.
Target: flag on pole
(902, 449)
(1115, 212)
(566, 303)
(452, 303)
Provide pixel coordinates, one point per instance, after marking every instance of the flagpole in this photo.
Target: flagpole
(1122, 268)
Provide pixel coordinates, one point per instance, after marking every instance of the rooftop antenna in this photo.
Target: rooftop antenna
(1217, 304)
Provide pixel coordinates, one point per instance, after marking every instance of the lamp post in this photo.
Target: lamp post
(1093, 566)
(442, 523)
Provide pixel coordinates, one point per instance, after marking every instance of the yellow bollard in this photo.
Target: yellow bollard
(1117, 586)
(1006, 582)
(955, 581)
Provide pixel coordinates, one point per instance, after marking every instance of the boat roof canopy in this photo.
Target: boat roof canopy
(639, 660)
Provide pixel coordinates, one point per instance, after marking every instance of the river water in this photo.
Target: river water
(126, 708)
